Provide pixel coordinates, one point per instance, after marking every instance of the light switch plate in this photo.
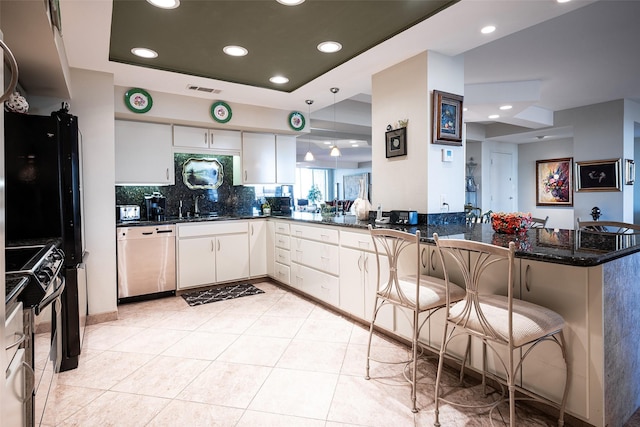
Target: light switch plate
(447, 155)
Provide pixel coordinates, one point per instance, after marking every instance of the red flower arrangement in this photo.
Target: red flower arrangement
(511, 223)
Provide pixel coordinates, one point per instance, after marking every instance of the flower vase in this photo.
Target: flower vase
(361, 206)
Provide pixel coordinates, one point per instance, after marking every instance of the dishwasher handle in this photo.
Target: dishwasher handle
(164, 231)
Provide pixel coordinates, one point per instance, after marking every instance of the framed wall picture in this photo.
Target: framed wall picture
(447, 118)
(396, 142)
(598, 175)
(554, 186)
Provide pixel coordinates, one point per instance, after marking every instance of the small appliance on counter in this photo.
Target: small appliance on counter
(403, 217)
(155, 204)
(126, 213)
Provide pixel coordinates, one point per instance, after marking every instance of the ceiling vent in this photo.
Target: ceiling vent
(203, 89)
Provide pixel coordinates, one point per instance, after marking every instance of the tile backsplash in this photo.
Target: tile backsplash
(227, 199)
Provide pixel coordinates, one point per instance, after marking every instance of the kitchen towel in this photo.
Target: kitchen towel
(220, 294)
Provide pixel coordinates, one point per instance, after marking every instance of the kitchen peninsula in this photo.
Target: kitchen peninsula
(590, 279)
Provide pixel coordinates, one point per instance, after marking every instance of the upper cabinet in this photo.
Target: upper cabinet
(268, 158)
(210, 139)
(144, 155)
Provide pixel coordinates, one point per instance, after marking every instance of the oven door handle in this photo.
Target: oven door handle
(54, 295)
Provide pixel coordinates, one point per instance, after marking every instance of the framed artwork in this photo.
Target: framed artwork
(629, 172)
(202, 173)
(447, 118)
(554, 186)
(598, 175)
(396, 142)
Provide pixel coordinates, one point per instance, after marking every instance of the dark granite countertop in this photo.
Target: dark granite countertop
(560, 246)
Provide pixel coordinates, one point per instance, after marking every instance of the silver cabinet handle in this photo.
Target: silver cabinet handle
(251, 229)
(205, 139)
(527, 272)
(359, 262)
(433, 264)
(20, 340)
(424, 264)
(218, 245)
(245, 175)
(211, 245)
(13, 65)
(366, 263)
(167, 173)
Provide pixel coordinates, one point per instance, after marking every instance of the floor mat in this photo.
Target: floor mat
(220, 294)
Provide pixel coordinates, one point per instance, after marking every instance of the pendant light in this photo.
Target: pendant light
(309, 156)
(335, 151)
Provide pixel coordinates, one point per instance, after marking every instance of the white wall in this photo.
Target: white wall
(415, 181)
(93, 104)
(559, 216)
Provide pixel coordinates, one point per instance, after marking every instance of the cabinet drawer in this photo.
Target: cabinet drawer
(353, 240)
(211, 228)
(282, 273)
(321, 234)
(315, 254)
(316, 283)
(283, 256)
(283, 241)
(282, 227)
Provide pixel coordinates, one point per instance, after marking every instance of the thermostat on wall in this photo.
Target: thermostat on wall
(447, 155)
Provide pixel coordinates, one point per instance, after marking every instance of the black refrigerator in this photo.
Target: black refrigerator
(43, 201)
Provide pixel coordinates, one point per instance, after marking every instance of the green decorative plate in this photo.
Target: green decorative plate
(138, 100)
(221, 112)
(296, 120)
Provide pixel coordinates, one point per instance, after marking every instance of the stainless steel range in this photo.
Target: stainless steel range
(40, 295)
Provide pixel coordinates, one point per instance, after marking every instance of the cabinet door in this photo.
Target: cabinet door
(192, 137)
(225, 140)
(351, 281)
(285, 159)
(565, 290)
(143, 153)
(232, 257)
(271, 247)
(196, 262)
(258, 247)
(258, 158)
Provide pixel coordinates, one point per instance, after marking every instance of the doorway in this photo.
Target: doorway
(502, 182)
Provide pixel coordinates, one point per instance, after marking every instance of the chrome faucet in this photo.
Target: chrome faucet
(196, 208)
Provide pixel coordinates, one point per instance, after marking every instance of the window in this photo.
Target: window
(306, 178)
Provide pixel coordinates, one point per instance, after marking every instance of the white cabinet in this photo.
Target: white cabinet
(258, 158)
(281, 246)
(565, 290)
(210, 139)
(285, 159)
(257, 248)
(210, 253)
(143, 153)
(268, 158)
(359, 278)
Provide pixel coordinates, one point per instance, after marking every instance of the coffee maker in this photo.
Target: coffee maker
(155, 204)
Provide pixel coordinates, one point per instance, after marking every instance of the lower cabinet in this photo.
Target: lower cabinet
(212, 253)
(316, 283)
(257, 248)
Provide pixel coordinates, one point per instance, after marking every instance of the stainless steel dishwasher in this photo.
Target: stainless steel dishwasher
(146, 261)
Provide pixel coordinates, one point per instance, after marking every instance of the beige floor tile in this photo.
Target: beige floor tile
(298, 393)
(192, 414)
(252, 304)
(272, 326)
(107, 336)
(70, 400)
(201, 345)
(255, 350)
(150, 341)
(104, 370)
(185, 320)
(313, 356)
(360, 335)
(162, 376)
(265, 419)
(226, 384)
(230, 323)
(325, 330)
(291, 306)
(117, 409)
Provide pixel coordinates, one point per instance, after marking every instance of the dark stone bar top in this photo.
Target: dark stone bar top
(560, 246)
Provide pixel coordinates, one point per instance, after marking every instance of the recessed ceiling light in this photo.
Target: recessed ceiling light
(235, 50)
(329, 47)
(506, 107)
(354, 145)
(279, 80)
(488, 29)
(494, 116)
(143, 52)
(563, 1)
(165, 4)
(290, 2)
(327, 143)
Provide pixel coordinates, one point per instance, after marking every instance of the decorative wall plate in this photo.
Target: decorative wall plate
(138, 100)
(221, 112)
(296, 120)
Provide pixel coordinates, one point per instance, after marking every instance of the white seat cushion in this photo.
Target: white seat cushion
(432, 291)
(530, 321)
